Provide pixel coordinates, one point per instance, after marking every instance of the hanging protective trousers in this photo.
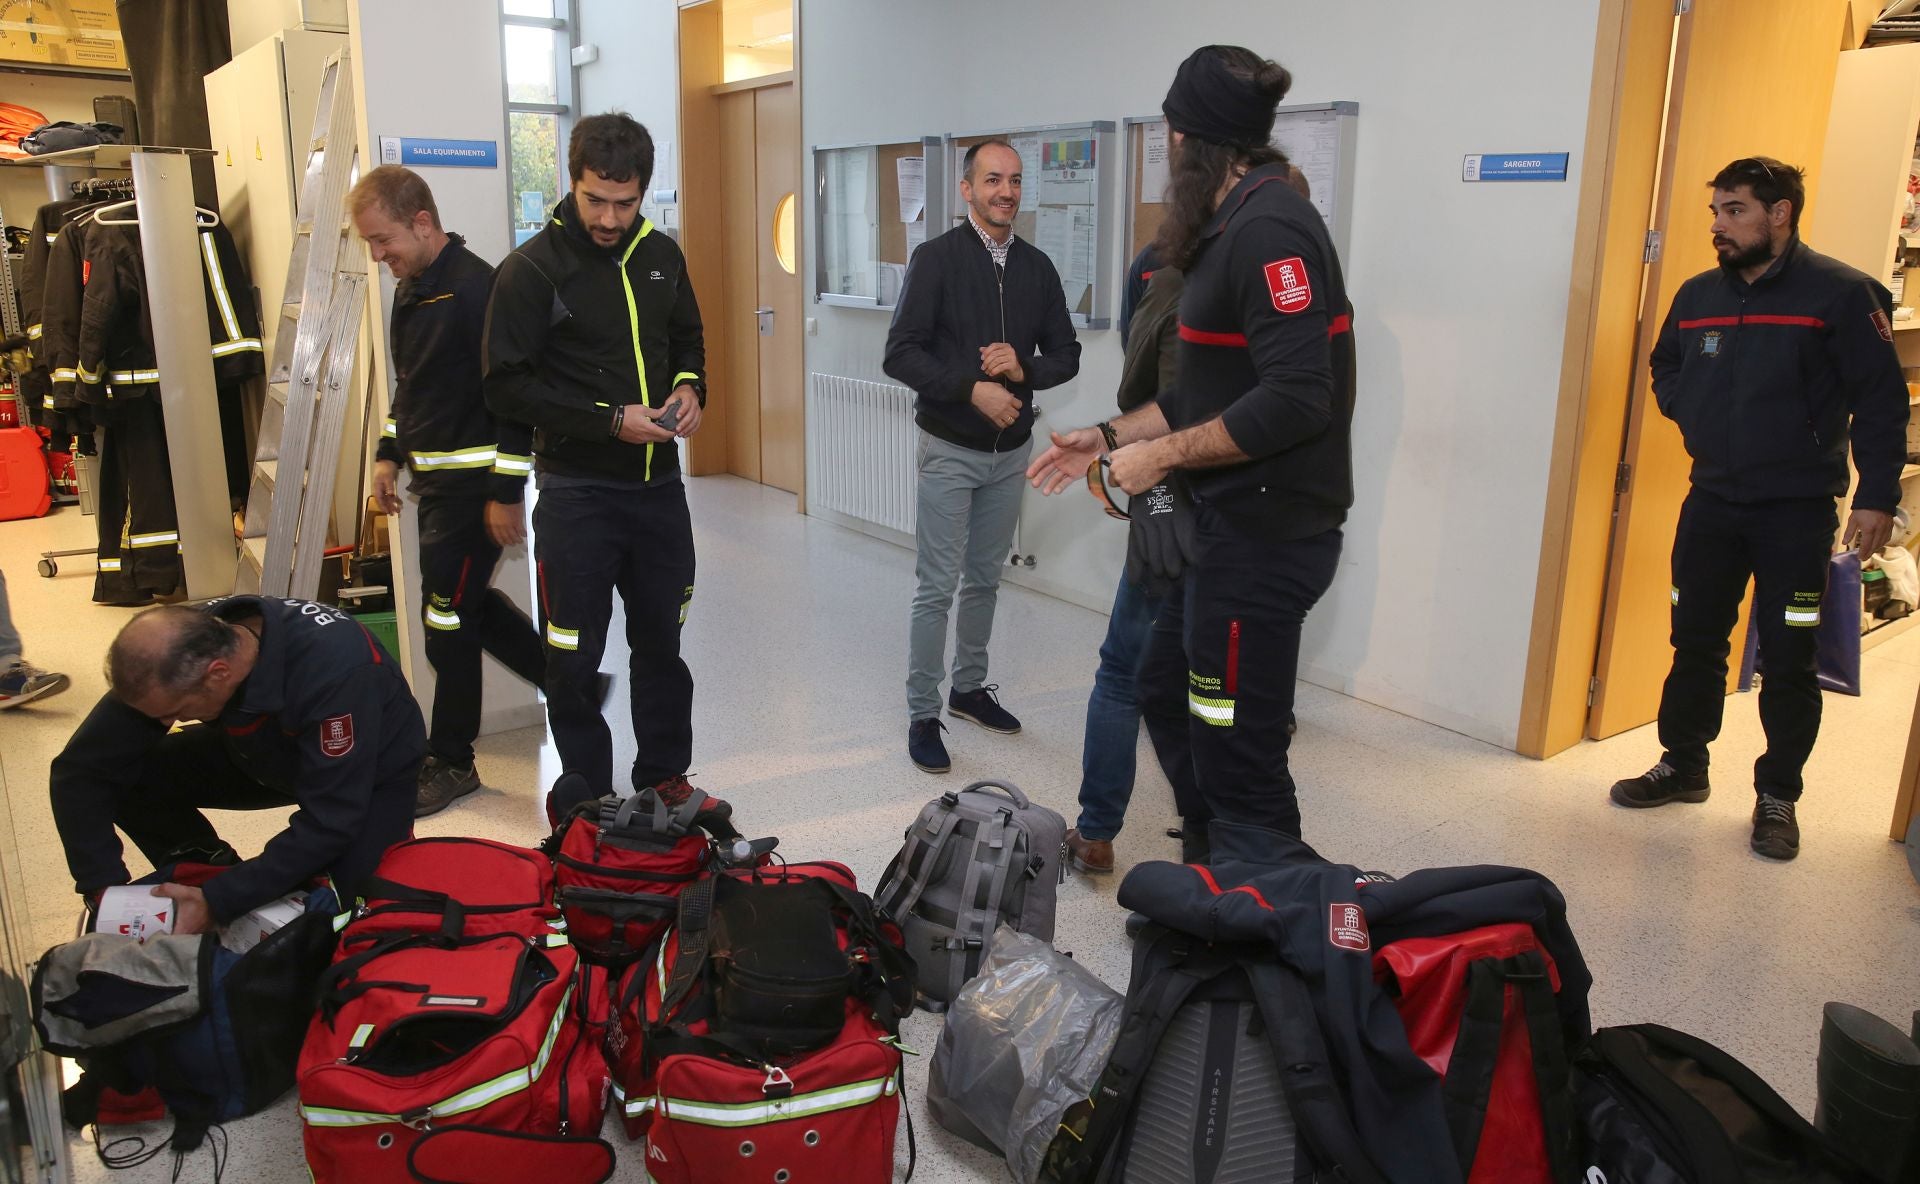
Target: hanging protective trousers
(139, 532)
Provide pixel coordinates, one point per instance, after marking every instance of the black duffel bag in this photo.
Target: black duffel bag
(1662, 1107)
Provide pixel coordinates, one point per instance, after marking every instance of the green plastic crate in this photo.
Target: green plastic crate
(384, 627)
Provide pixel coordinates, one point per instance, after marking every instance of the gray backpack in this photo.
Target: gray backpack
(972, 860)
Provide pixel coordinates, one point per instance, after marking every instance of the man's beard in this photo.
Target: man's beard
(1744, 257)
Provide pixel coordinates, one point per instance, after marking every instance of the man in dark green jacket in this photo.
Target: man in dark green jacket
(593, 338)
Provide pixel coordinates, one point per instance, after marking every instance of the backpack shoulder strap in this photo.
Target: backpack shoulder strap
(692, 933)
(911, 871)
(1467, 1089)
(1313, 1092)
(1090, 1129)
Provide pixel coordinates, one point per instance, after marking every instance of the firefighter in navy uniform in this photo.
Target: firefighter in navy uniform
(1258, 426)
(1768, 363)
(469, 472)
(593, 337)
(297, 705)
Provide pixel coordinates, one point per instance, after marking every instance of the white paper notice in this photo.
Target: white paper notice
(911, 172)
(1311, 140)
(892, 276)
(916, 235)
(1029, 149)
(1153, 162)
(1053, 234)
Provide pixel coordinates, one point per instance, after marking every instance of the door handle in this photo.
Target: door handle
(765, 317)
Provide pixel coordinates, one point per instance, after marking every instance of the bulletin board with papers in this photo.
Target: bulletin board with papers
(1318, 137)
(1066, 205)
(870, 212)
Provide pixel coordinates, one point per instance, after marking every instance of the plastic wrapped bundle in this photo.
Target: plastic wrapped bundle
(1025, 1038)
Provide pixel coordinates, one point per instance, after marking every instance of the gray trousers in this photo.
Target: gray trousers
(968, 505)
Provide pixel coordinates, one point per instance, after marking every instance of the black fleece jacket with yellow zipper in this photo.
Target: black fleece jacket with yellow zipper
(575, 330)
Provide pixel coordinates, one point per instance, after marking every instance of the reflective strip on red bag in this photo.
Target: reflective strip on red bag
(471, 1098)
(823, 1101)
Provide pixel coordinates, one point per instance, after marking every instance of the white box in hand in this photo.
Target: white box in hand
(132, 910)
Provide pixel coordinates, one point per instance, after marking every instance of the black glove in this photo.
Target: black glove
(1160, 535)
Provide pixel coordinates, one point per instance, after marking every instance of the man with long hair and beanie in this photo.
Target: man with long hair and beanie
(593, 338)
(1769, 363)
(1258, 426)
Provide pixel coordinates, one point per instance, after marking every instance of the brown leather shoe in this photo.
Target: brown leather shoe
(1090, 855)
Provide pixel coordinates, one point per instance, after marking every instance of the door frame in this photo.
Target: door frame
(1633, 50)
(703, 233)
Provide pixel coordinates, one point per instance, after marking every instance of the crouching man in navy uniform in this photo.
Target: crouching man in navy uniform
(296, 705)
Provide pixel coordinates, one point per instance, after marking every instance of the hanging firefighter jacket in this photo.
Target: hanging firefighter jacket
(97, 341)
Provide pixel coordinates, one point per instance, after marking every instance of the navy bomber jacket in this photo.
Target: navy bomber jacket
(955, 300)
(1768, 380)
(325, 717)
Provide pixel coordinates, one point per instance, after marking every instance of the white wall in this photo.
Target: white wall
(1460, 290)
(401, 94)
(638, 73)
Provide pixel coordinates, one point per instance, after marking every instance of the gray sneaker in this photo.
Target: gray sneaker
(441, 784)
(22, 683)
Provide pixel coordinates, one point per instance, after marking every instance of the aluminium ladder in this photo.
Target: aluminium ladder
(297, 458)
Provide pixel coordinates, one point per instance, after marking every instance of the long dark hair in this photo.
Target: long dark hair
(1199, 167)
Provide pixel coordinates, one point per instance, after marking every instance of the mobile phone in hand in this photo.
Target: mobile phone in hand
(671, 419)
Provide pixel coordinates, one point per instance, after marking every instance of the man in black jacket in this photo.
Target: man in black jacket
(1768, 363)
(469, 471)
(297, 706)
(981, 325)
(593, 337)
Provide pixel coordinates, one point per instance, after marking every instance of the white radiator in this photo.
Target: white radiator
(860, 449)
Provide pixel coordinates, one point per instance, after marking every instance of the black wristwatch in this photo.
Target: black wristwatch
(1107, 433)
(699, 386)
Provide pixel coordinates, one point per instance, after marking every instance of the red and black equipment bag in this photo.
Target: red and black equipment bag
(621, 864)
(455, 887)
(766, 978)
(496, 1035)
(1479, 1009)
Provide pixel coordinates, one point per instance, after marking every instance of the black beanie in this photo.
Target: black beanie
(1208, 102)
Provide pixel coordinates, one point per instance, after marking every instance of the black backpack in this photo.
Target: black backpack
(1663, 1107)
(1219, 1069)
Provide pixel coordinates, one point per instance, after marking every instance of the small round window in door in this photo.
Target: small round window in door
(783, 248)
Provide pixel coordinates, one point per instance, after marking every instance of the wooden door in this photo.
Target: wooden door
(1751, 77)
(741, 286)
(782, 443)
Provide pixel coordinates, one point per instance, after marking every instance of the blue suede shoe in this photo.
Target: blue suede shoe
(924, 745)
(982, 707)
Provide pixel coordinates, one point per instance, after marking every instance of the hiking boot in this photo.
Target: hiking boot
(1659, 785)
(1776, 834)
(925, 747)
(675, 791)
(441, 783)
(982, 707)
(21, 683)
(1090, 855)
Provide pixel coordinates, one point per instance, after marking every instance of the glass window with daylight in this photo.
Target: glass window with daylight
(536, 42)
